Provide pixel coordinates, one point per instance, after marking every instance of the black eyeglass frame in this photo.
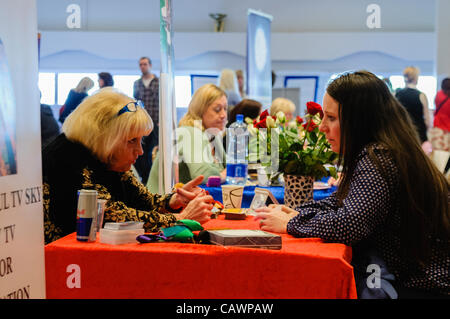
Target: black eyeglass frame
(128, 109)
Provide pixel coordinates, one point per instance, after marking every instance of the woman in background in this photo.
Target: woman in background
(75, 97)
(392, 204)
(440, 133)
(249, 108)
(199, 138)
(105, 79)
(416, 103)
(241, 83)
(228, 83)
(284, 105)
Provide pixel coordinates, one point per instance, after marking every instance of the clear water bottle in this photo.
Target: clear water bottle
(237, 152)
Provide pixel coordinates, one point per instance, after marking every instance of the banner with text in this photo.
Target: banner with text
(22, 272)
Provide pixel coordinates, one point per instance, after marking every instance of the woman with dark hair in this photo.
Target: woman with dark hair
(105, 79)
(392, 204)
(247, 107)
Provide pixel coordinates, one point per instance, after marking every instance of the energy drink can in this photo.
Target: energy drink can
(87, 215)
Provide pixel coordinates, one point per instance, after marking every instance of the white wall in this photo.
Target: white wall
(318, 37)
(193, 15)
(113, 33)
(324, 52)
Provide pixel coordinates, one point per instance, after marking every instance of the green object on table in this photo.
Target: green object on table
(182, 230)
(191, 224)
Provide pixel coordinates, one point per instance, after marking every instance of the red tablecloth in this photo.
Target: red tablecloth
(303, 268)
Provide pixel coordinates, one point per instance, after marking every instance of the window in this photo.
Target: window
(46, 85)
(426, 84)
(125, 83)
(198, 80)
(182, 90)
(68, 81)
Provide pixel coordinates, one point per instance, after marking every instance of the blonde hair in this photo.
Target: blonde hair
(95, 123)
(201, 100)
(84, 85)
(411, 74)
(282, 104)
(228, 80)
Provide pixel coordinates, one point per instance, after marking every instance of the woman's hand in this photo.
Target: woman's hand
(188, 192)
(198, 209)
(223, 176)
(274, 218)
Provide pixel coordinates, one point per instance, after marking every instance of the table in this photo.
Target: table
(277, 191)
(303, 268)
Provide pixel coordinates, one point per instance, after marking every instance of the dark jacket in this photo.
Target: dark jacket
(49, 126)
(369, 220)
(73, 100)
(69, 167)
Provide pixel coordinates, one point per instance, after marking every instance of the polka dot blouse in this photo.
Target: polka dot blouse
(370, 214)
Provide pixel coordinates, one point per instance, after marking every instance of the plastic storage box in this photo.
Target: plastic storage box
(118, 237)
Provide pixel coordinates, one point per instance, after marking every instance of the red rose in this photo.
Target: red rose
(314, 108)
(261, 124)
(310, 126)
(263, 115)
(299, 119)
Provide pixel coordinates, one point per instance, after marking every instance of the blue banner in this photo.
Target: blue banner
(259, 66)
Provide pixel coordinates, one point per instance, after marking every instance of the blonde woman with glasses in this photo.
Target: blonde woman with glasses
(100, 142)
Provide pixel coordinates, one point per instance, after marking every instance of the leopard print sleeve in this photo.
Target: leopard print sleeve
(153, 220)
(51, 231)
(152, 209)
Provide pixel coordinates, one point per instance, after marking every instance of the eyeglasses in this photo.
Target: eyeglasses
(130, 107)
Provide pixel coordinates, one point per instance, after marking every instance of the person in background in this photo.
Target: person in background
(284, 105)
(49, 126)
(100, 142)
(105, 79)
(247, 107)
(392, 204)
(75, 97)
(440, 133)
(228, 83)
(199, 138)
(251, 110)
(241, 83)
(416, 103)
(146, 89)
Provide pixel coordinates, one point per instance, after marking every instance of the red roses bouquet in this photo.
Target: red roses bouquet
(296, 147)
(303, 149)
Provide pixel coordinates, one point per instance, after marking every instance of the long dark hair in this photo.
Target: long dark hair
(369, 114)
